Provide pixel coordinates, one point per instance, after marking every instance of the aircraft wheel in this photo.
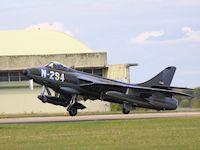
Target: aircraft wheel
(125, 111)
(43, 101)
(73, 111)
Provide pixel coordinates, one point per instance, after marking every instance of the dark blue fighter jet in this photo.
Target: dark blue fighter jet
(71, 86)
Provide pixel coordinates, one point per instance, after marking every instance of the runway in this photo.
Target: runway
(31, 120)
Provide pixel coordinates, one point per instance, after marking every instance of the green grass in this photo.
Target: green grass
(151, 134)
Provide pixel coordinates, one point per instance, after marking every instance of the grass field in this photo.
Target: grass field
(151, 134)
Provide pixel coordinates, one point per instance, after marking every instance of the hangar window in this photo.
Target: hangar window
(3, 76)
(23, 77)
(9, 76)
(88, 70)
(98, 72)
(14, 76)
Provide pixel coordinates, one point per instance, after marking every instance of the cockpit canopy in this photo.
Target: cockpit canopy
(58, 66)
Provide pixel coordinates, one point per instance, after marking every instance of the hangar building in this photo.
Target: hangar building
(20, 49)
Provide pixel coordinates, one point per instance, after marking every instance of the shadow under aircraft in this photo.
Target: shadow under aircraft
(71, 86)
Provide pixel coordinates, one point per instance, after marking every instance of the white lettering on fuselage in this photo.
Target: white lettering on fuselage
(43, 73)
(53, 75)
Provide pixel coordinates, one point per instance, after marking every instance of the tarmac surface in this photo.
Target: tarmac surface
(31, 120)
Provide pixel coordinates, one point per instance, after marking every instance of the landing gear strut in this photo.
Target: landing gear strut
(127, 108)
(70, 102)
(71, 107)
(42, 96)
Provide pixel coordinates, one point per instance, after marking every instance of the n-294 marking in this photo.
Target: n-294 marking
(53, 75)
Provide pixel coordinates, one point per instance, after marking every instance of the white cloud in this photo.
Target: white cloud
(143, 37)
(189, 36)
(187, 30)
(56, 26)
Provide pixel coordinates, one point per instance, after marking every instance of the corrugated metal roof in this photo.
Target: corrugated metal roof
(38, 42)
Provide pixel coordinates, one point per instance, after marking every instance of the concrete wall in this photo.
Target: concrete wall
(83, 60)
(120, 72)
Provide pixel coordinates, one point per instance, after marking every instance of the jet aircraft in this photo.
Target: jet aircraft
(71, 86)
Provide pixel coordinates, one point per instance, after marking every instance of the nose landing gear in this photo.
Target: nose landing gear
(73, 111)
(71, 107)
(74, 106)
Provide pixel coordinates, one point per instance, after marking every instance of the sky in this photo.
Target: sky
(153, 33)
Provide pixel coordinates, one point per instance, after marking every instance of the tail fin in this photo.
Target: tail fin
(163, 79)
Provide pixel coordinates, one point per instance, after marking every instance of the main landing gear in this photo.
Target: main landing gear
(126, 108)
(125, 111)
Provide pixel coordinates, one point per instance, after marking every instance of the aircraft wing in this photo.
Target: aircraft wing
(136, 88)
(172, 88)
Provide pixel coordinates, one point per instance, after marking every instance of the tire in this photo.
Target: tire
(125, 111)
(43, 101)
(73, 111)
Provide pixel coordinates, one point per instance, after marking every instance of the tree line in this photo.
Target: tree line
(191, 103)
